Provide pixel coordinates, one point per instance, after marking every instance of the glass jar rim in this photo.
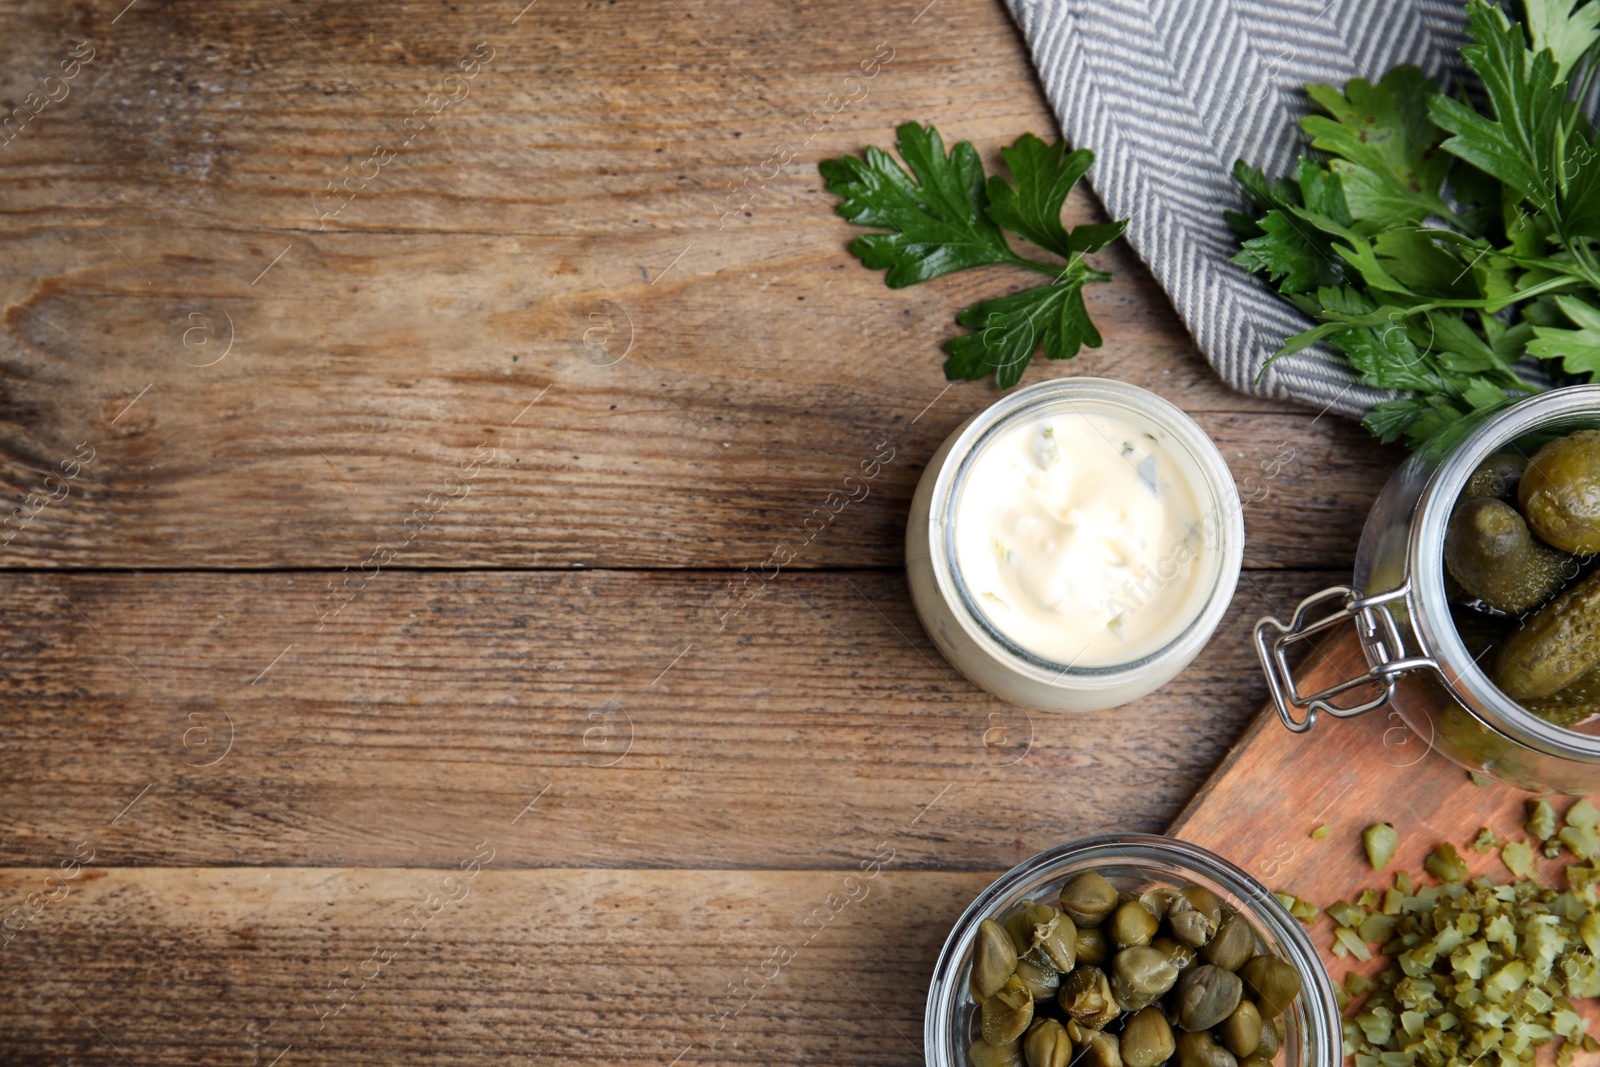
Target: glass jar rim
(1221, 504)
(1429, 606)
(1137, 850)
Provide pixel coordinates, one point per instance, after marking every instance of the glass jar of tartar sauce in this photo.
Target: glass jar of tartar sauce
(1073, 546)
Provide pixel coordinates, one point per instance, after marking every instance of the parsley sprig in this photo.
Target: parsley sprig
(944, 216)
(1442, 244)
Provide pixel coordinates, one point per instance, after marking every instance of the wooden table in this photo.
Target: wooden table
(388, 671)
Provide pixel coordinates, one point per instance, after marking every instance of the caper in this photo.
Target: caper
(1147, 1039)
(1496, 477)
(1256, 1061)
(1241, 1031)
(1140, 975)
(1159, 901)
(1556, 647)
(1560, 492)
(1206, 996)
(1041, 979)
(1181, 955)
(1057, 940)
(1488, 549)
(983, 1054)
(1201, 1050)
(1085, 996)
(1235, 942)
(1044, 933)
(1204, 900)
(1270, 1041)
(1094, 947)
(1191, 926)
(996, 958)
(1273, 984)
(1101, 1050)
(1088, 898)
(1006, 1015)
(1019, 924)
(1047, 1045)
(1132, 924)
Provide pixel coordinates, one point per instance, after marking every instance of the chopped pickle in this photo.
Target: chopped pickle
(1518, 858)
(1583, 813)
(1446, 864)
(1321, 832)
(1351, 941)
(1303, 910)
(1381, 842)
(1541, 819)
(1486, 841)
(1582, 840)
(1346, 914)
(1476, 972)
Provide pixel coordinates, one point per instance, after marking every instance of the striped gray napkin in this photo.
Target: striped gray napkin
(1168, 93)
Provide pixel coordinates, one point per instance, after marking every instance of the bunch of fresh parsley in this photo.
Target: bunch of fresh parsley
(1440, 241)
(948, 218)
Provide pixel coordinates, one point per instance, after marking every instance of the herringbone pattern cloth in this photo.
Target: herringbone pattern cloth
(1168, 93)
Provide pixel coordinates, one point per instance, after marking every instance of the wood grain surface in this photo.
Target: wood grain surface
(420, 480)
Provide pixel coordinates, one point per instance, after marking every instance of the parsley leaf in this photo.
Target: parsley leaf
(1466, 234)
(1012, 327)
(938, 221)
(945, 217)
(1567, 29)
(1288, 257)
(1578, 350)
(1384, 145)
(1045, 174)
(1519, 145)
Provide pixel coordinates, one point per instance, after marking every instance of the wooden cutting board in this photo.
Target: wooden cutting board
(1274, 787)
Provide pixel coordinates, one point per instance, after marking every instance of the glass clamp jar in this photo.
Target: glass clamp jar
(1417, 662)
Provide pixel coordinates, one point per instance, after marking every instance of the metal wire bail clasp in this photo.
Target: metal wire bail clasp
(1380, 639)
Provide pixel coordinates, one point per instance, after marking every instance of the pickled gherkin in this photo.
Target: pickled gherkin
(1556, 647)
(1571, 704)
(1496, 477)
(1488, 549)
(1560, 492)
(1520, 570)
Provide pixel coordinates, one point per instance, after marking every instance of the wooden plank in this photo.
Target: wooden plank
(1275, 787)
(710, 380)
(169, 966)
(437, 701)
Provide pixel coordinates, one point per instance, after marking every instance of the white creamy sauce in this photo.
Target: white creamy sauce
(1080, 539)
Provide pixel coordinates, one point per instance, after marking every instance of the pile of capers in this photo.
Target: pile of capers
(1520, 545)
(1127, 980)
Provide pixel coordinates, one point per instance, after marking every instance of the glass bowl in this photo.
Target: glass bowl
(1137, 863)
